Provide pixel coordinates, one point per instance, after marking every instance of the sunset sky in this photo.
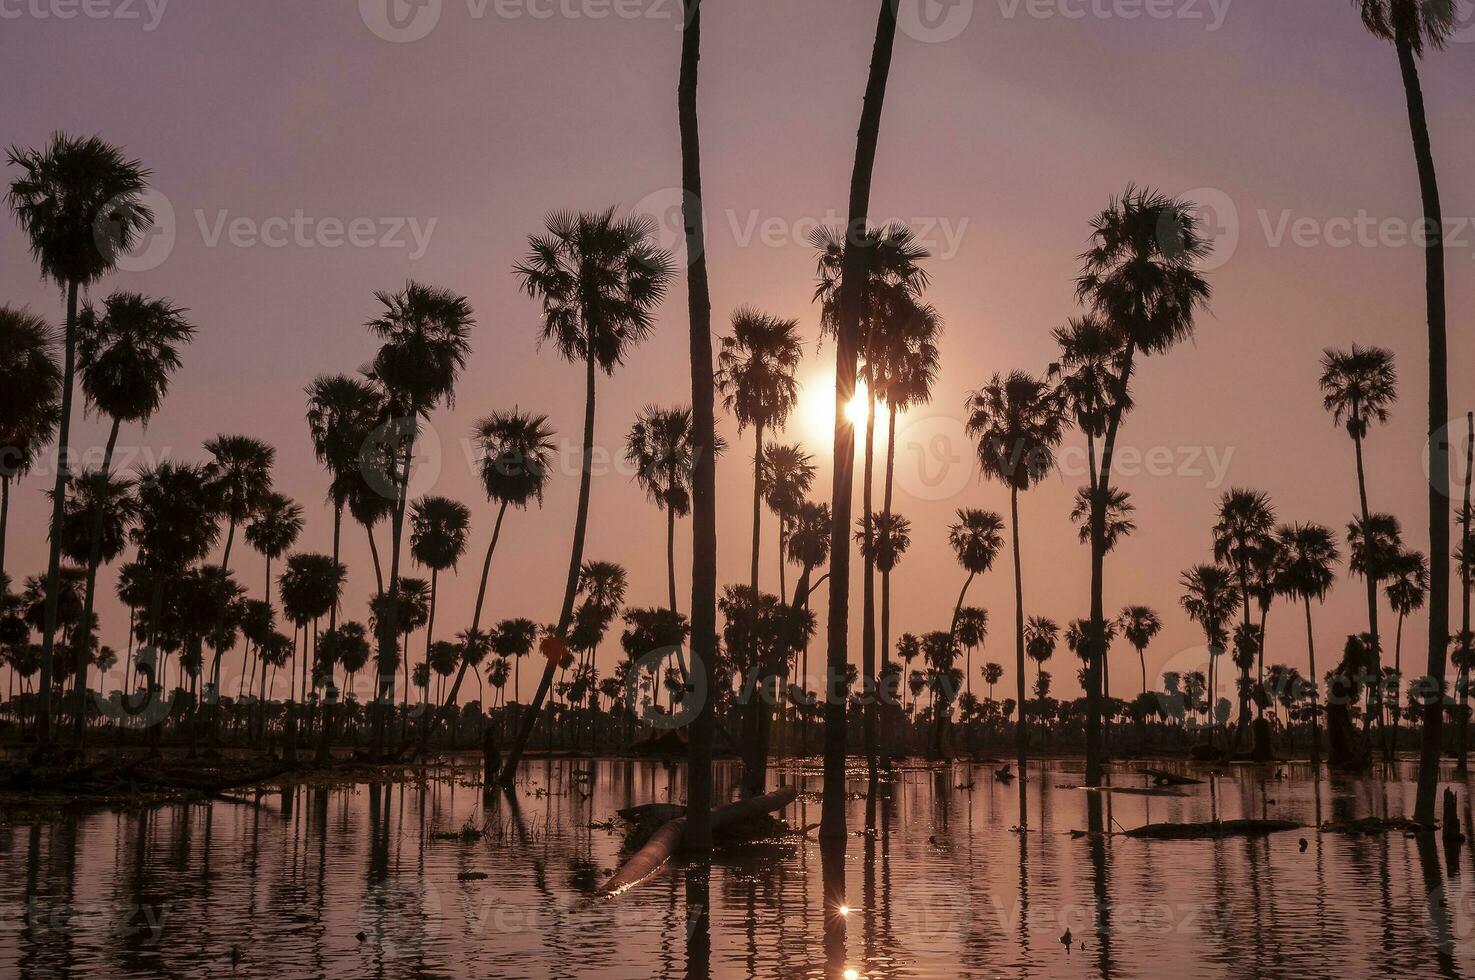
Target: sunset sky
(997, 145)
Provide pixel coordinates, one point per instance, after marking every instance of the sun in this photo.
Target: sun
(817, 408)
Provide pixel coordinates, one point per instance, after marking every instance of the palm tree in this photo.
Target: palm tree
(438, 530)
(976, 538)
(425, 334)
(1464, 555)
(599, 280)
(1017, 422)
(1091, 361)
(273, 530)
(1309, 555)
(1408, 584)
(1374, 546)
(1359, 387)
(517, 454)
(126, 356)
(848, 339)
(1140, 276)
(94, 530)
(659, 447)
(1414, 27)
(1242, 533)
(787, 475)
(1210, 597)
(704, 436)
(28, 403)
(972, 631)
(992, 674)
(311, 586)
(178, 524)
(892, 310)
(755, 374)
(808, 547)
(78, 201)
(1118, 520)
(1140, 625)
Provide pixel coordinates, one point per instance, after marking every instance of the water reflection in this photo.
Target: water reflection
(943, 876)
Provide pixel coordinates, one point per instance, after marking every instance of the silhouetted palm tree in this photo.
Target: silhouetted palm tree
(425, 334)
(809, 548)
(1210, 597)
(342, 414)
(1140, 276)
(1242, 533)
(438, 530)
(1374, 546)
(28, 402)
(787, 476)
(1408, 585)
(976, 538)
(1119, 510)
(311, 586)
(1309, 555)
(1140, 625)
(517, 455)
(1017, 422)
(659, 447)
(848, 339)
(78, 201)
(599, 280)
(1414, 27)
(1359, 387)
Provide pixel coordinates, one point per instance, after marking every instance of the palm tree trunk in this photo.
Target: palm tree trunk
(886, 509)
(389, 634)
(671, 556)
(481, 595)
(94, 558)
(332, 695)
(58, 504)
(852, 314)
(1462, 765)
(939, 719)
(576, 558)
(1392, 741)
(1371, 578)
(868, 588)
(1438, 441)
(1098, 571)
(374, 554)
(1142, 663)
(1315, 681)
(4, 518)
(1020, 735)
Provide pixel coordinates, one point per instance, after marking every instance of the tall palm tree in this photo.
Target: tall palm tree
(809, 548)
(272, 532)
(659, 447)
(976, 537)
(1091, 362)
(1309, 555)
(1140, 625)
(599, 279)
(1415, 27)
(311, 586)
(126, 355)
(425, 334)
(1359, 387)
(342, 414)
(1408, 585)
(755, 374)
(1246, 522)
(847, 344)
(1464, 555)
(1140, 276)
(891, 308)
(1118, 520)
(1210, 598)
(517, 455)
(29, 402)
(1041, 635)
(787, 475)
(704, 436)
(438, 530)
(1017, 422)
(79, 202)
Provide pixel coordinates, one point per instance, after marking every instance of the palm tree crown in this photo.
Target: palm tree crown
(275, 526)
(438, 530)
(127, 352)
(755, 368)
(1309, 554)
(426, 339)
(1018, 423)
(517, 455)
(1358, 386)
(30, 397)
(659, 448)
(976, 538)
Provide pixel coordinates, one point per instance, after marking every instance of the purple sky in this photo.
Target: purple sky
(998, 145)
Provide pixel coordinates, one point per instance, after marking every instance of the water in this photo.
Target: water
(940, 888)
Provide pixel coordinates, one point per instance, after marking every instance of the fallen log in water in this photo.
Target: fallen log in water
(664, 842)
(1164, 778)
(1213, 830)
(1375, 825)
